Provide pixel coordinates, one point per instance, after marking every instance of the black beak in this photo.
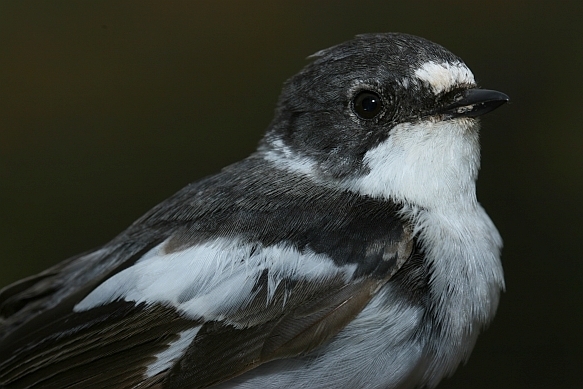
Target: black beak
(475, 102)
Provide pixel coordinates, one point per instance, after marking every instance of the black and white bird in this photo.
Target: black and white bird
(349, 251)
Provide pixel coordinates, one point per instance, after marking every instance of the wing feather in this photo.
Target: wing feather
(112, 345)
(315, 312)
(297, 292)
(101, 348)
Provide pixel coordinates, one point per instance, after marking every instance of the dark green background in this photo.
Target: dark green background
(107, 108)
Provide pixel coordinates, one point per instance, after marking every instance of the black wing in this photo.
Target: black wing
(115, 345)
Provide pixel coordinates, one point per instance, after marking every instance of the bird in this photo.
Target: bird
(348, 251)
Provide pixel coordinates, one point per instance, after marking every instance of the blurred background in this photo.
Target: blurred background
(107, 108)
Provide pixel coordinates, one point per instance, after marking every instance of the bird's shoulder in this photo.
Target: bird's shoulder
(240, 268)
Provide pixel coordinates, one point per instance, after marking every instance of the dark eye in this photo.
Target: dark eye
(367, 104)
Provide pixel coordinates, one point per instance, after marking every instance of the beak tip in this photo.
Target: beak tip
(504, 97)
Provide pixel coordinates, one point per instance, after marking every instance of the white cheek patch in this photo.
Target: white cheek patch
(444, 76)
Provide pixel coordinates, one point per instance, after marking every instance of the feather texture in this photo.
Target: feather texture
(349, 251)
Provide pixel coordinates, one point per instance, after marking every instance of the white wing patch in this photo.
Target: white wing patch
(442, 77)
(211, 280)
(175, 350)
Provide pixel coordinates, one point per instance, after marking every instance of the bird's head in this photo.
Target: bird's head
(385, 115)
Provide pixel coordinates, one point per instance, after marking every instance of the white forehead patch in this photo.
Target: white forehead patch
(444, 76)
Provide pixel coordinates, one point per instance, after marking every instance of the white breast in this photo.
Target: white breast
(463, 246)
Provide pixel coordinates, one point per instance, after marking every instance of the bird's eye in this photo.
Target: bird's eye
(367, 104)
